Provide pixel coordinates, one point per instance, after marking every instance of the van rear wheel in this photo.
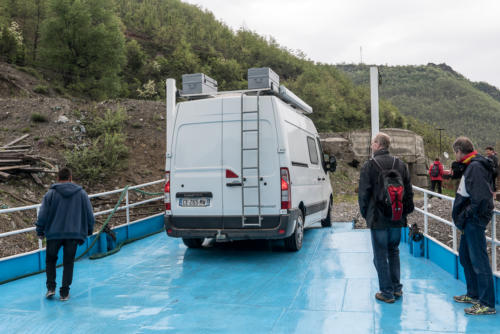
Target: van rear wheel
(327, 222)
(294, 242)
(193, 242)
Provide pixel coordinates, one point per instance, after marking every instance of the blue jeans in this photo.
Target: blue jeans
(385, 243)
(474, 259)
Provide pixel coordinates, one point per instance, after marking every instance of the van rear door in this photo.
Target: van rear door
(196, 175)
(232, 158)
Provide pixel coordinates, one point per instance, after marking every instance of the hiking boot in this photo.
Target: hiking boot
(381, 297)
(465, 299)
(480, 309)
(398, 294)
(64, 298)
(50, 293)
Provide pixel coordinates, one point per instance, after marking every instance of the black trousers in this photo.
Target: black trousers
(438, 184)
(69, 251)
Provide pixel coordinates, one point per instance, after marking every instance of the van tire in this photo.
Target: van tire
(193, 242)
(294, 242)
(327, 222)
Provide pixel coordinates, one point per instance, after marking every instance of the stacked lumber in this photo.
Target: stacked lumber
(15, 159)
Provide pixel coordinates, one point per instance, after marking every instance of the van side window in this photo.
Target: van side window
(313, 153)
(321, 154)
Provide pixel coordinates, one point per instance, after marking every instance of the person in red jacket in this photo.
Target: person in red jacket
(436, 174)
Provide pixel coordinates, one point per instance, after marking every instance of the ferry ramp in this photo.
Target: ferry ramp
(157, 285)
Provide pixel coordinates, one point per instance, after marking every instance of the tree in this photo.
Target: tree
(82, 43)
(11, 44)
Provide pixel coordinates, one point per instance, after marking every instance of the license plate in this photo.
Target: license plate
(194, 202)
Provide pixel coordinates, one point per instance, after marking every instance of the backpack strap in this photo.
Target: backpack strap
(380, 167)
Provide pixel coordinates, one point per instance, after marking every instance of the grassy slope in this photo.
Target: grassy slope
(437, 94)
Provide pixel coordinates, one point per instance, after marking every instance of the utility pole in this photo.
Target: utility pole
(374, 82)
(439, 129)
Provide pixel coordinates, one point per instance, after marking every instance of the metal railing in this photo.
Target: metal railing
(125, 207)
(492, 240)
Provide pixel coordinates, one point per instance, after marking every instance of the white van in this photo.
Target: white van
(243, 165)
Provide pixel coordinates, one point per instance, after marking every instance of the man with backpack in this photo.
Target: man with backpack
(436, 174)
(385, 199)
(472, 212)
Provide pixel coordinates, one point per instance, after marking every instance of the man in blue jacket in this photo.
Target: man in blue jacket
(472, 211)
(65, 219)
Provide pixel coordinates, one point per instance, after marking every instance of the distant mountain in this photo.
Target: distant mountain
(436, 94)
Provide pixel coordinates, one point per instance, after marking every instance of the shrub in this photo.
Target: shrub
(41, 89)
(112, 121)
(103, 157)
(38, 118)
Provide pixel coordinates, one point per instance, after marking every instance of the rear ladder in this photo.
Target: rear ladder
(248, 166)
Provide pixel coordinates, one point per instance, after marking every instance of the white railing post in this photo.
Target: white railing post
(426, 218)
(127, 210)
(40, 244)
(493, 243)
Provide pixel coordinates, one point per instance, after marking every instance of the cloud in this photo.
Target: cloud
(463, 34)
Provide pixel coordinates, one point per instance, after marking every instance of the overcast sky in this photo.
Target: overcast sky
(463, 34)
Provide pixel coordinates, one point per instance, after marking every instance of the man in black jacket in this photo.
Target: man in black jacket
(472, 211)
(492, 155)
(385, 232)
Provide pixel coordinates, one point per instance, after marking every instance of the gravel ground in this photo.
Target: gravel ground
(349, 211)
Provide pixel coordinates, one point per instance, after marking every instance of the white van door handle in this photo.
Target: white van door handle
(234, 184)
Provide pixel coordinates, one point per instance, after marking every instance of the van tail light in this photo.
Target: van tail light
(168, 205)
(286, 194)
(230, 174)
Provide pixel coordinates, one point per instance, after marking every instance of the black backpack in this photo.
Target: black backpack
(390, 191)
(435, 170)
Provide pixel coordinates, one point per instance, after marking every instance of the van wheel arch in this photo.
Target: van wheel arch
(327, 222)
(294, 242)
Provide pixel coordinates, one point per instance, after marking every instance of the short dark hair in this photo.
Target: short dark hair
(463, 144)
(64, 174)
(489, 148)
(437, 159)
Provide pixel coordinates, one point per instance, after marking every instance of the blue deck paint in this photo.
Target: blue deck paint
(156, 285)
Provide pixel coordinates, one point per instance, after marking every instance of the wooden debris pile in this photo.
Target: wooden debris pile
(15, 159)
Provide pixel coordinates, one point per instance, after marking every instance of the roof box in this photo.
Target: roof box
(263, 78)
(198, 84)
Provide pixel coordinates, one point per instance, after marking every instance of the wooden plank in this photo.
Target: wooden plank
(16, 147)
(37, 179)
(10, 161)
(16, 140)
(36, 170)
(14, 167)
(5, 175)
(12, 151)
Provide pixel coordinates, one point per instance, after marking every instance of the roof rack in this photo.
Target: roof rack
(263, 80)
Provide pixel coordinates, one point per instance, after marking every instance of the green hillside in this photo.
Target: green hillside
(438, 95)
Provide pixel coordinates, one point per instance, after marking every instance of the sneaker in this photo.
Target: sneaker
(465, 299)
(479, 309)
(50, 294)
(398, 294)
(381, 297)
(64, 298)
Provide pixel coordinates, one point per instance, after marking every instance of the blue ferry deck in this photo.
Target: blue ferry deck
(157, 285)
